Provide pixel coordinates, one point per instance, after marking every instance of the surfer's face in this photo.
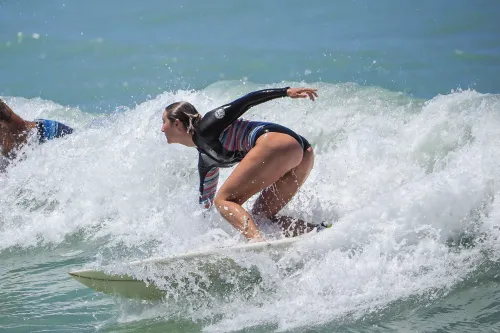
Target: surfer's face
(173, 131)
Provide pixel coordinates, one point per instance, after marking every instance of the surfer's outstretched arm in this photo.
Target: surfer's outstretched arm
(217, 120)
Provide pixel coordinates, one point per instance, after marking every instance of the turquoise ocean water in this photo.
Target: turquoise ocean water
(406, 134)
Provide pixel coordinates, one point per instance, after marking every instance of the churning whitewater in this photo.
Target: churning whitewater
(411, 186)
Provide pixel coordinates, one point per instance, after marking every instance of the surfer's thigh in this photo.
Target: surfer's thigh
(276, 196)
(273, 156)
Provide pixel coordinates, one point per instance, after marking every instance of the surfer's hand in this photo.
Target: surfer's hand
(302, 93)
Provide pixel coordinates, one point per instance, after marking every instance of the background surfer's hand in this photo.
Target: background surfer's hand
(302, 93)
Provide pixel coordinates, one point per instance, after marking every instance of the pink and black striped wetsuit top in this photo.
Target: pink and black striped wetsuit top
(222, 139)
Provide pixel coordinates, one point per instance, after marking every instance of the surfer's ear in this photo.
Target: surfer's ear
(178, 125)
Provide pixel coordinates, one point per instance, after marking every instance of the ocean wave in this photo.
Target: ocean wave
(410, 184)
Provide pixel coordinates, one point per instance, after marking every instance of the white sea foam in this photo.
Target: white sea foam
(401, 179)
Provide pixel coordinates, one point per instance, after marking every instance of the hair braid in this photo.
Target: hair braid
(186, 113)
(193, 121)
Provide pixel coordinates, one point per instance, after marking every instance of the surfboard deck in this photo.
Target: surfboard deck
(212, 260)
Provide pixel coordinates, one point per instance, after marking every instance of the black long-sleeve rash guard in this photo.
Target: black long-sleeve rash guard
(206, 138)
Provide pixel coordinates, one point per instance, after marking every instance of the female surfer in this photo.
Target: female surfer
(271, 158)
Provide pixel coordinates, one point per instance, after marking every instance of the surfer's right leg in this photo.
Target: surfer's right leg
(270, 159)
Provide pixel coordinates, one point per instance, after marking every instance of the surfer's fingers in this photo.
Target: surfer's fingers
(310, 94)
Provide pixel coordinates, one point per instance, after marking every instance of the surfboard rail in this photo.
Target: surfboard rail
(128, 286)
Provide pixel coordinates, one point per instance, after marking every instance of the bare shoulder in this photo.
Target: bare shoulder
(5, 111)
(7, 141)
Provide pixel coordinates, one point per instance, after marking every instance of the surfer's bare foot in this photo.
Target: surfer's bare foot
(292, 226)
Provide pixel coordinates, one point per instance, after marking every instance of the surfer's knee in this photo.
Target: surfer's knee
(221, 200)
(219, 203)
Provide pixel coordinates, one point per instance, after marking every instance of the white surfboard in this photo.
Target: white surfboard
(129, 286)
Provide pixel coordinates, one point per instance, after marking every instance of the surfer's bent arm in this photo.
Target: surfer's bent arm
(209, 178)
(217, 120)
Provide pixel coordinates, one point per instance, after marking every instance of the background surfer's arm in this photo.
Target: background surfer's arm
(9, 117)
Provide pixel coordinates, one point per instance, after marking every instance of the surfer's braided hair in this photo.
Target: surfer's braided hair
(186, 113)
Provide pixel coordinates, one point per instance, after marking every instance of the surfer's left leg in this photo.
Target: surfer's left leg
(276, 196)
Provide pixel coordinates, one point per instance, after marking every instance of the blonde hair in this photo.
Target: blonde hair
(186, 113)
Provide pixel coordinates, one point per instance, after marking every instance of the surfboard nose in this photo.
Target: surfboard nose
(122, 285)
